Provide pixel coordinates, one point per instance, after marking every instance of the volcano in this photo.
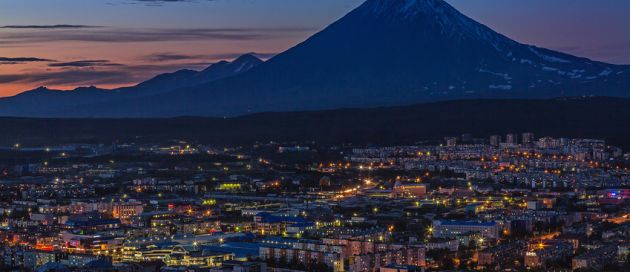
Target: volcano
(384, 53)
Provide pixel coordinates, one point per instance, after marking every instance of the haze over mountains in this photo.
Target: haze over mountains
(383, 53)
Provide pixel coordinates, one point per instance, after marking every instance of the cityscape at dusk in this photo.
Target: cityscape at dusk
(314, 135)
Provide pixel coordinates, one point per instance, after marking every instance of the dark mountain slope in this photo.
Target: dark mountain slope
(388, 52)
(604, 118)
(187, 78)
(43, 102)
(383, 53)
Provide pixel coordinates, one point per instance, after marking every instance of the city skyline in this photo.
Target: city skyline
(314, 135)
(67, 44)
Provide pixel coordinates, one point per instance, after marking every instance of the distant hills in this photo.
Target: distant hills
(44, 102)
(383, 53)
(596, 117)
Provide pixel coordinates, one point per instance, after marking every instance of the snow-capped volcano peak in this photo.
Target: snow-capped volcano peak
(408, 8)
(431, 18)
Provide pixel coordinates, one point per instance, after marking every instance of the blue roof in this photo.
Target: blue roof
(269, 218)
(168, 244)
(240, 250)
(277, 246)
(283, 240)
(91, 222)
(50, 266)
(303, 225)
(468, 223)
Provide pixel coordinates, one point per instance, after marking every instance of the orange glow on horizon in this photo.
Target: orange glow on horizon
(129, 61)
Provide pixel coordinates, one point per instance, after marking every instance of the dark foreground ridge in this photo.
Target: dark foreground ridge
(598, 117)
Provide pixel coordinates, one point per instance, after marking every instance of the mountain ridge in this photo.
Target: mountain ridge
(374, 57)
(45, 102)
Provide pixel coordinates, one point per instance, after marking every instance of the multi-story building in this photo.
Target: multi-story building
(405, 256)
(268, 224)
(331, 256)
(401, 268)
(511, 139)
(595, 259)
(540, 254)
(450, 228)
(414, 190)
(528, 138)
(451, 141)
(498, 256)
(195, 256)
(495, 140)
(126, 210)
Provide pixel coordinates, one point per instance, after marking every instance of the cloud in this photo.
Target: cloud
(24, 59)
(168, 56)
(126, 35)
(614, 52)
(159, 3)
(46, 26)
(19, 60)
(78, 75)
(85, 63)
(67, 77)
(568, 48)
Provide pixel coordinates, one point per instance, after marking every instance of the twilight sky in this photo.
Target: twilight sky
(109, 43)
